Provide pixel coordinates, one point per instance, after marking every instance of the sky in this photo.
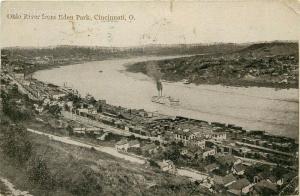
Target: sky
(159, 22)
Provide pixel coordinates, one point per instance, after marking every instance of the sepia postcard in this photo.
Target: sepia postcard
(149, 98)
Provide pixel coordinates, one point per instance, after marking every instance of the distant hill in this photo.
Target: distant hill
(30, 59)
(273, 64)
(65, 51)
(273, 48)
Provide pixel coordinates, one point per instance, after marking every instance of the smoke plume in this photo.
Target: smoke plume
(154, 72)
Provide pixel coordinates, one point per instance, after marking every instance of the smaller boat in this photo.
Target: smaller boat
(100, 71)
(165, 100)
(185, 81)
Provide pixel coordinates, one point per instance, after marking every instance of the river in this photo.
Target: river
(254, 108)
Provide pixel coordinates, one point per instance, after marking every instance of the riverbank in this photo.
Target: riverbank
(272, 65)
(247, 81)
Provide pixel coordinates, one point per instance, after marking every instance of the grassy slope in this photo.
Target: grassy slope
(116, 176)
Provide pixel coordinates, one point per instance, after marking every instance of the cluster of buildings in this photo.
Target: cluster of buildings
(230, 149)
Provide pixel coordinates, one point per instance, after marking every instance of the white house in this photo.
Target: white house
(122, 145)
(208, 152)
(167, 166)
(57, 96)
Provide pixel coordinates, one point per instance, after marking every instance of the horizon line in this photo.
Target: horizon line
(149, 45)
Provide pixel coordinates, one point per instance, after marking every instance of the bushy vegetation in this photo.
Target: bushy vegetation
(14, 143)
(16, 112)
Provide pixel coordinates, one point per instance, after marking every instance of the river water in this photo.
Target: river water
(254, 108)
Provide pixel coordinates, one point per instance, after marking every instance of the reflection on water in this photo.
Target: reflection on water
(253, 108)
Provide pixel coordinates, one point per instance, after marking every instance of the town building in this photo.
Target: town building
(263, 187)
(167, 166)
(224, 180)
(211, 167)
(240, 187)
(123, 145)
(238, 169)
(208, 152)
(185, 136)
(149, 149)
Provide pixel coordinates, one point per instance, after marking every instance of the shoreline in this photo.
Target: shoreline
(226, 83)
(270, 132)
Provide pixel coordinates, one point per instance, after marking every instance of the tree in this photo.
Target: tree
(132, 137)
(173, 153)
(38, 172)
(55, 110)
(153, 163)
(15, 113)
(15, 89)
(70, 130)
(100, 108)
(15, 143)
(67, 108)
(157, 143)
(85, 182)
(210, 159)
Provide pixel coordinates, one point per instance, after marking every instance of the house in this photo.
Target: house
(82, 111)
(238, 169)
(211, 167)
(208, 152)
(102, 137)
(260, 176)
(57, 96)
(78, 132)
(167, 166)
(227, 160)
(122, 145)
(224, 180)
(149, 148)
(275, 180)
(241, 186)
(19, 76)
(199, 142)
(219, 136)
(265, 175)
(38, 108)
(265, 188)
(288, 177)
(184, 151)
(134, 144)
(185, 136)
(46, 101)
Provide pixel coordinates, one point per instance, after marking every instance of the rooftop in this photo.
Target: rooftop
(239, 184)
(223, 180)
(133, 142)
(264, 184)
(211, 166)
(122, 142)
(239, 167)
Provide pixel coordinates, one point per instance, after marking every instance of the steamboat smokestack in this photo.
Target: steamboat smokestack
(159, 87)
